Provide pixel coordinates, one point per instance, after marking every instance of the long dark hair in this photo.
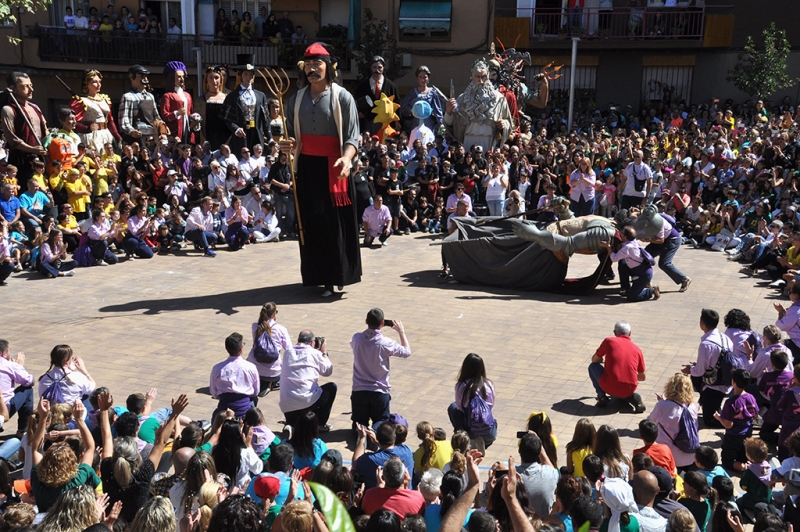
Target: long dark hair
(540, 424)
(228, 452)
(195, 476)
(306, 430)
(473, 376)
(58, 356)
(499, 508)
(451, 489)
(609, 450)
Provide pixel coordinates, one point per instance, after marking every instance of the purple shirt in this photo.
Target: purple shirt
(789, 406)
(135, 225)
(11, 376)
(790, 323)
(741, 409)
(739, 337)
(5, 247)
(200, 219)
(452, 201)
(376, 219)
(371, 353)
(707, 354)
(579, 186)
(96, 231)
(234, 375)
(488, 388)
(772, 385)
(47, 256)
(631, 252)
(281, 338)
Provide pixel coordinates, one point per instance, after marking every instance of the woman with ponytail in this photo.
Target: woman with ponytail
(126, 477)
(68, 377)
(472, 382)
(208, 500)
(431, 453)
(269, 373)
(452, 486)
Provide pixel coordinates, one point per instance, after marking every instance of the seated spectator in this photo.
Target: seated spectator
(660, 453)
(234, 455)
(393, 494)
(431, 452)
(366, 463)
(304, 439)
(539, 477)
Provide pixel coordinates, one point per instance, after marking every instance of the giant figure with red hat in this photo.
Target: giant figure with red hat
(245, 110)
(176, 104)
(322, 126)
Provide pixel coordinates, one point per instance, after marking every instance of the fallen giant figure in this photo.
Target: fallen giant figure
(532, 256)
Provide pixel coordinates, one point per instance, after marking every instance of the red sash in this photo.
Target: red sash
(330, 147)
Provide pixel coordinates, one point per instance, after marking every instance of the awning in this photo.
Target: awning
(425, 15)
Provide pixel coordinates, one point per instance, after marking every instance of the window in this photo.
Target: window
(425, 20)
(585, 86)
(670, 82)
(241, 6)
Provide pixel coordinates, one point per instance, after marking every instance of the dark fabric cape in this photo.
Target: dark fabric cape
(491, 255)
(331, 254)
(233, 117)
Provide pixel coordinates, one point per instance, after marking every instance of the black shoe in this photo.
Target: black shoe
(602, 401)
(264, 391)
(14, 464)
(637, 404)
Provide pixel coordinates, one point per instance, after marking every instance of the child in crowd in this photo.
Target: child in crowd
(264, 440)
(660, 453)
(789, 406)
(737, 417)
(11, 179)
(771, 387)
(784, 473)
(164, 239)
(641, 462)
(267, 488)
(266, 224)
(700, 499)
(177, 226)
(38, 175)
(707, 461)
(756, 480)
(19, 245)
(593, 471)
(609, 191)
(580, 447)
(425, 213)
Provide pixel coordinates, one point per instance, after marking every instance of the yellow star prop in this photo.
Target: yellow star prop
(386, 112)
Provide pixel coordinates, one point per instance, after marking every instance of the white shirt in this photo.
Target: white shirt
(641, 171)
(73, 387)
(302, 367)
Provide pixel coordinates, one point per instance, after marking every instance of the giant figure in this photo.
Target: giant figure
(245, 109)
(176, 104)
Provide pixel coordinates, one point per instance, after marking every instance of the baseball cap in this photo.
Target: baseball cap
(22, 486)
(266, 486)
(664, 479)
(334, 457)
(172, 172)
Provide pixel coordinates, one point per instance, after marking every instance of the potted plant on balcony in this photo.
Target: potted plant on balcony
(562, 32)
(541, 31)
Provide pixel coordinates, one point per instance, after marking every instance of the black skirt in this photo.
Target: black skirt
(214, 128)
(331, 255)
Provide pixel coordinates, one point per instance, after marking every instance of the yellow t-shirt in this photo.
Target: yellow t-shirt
(56, 182)
(13, 182)
(78, 202)
(442, 454)
(577, 461)
(114, 158)
(69, 223)
(101, 182)
(40, 180)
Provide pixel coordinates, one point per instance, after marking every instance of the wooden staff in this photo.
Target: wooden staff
(278, 85)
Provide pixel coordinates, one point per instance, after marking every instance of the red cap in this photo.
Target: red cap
(266, 486)
(316, 50)
(22, 486)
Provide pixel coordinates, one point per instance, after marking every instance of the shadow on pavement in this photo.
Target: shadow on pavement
(228, 303)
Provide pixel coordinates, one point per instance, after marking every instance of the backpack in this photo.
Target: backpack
(54, 393)
(721, 373)
(265, 350)
(480, 420)
(687, 439)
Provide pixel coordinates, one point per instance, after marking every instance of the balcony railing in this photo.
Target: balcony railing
(643, 23)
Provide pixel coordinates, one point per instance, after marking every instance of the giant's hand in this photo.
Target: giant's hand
(287, 145)
(345, 165)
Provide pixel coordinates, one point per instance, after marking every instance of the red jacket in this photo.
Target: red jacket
(170, 103)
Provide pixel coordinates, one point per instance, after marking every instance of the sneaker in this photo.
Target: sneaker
(602, 401)
(384, 243)
(637, 404)
(264, 391)
(130, 257)
(480, 444)
(209, 253)
(780, 283)
(204, 424)
(18, 268)
(735, 256)
(70, 273)
(101, 262)
(327, 293)
(407, 231)
(685, 284)
(656, 292)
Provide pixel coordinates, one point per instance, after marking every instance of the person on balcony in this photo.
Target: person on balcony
(94, 121)
(245, 109)
(138, 113)
(177, 104)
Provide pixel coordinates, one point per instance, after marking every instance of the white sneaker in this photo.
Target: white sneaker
(384, 243)
(101, 263)
(288, 430)
(70, 273)
(780, 283)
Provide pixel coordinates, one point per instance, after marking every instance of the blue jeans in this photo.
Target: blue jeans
(135, 245)
(582, 207)
(637, 291)
(495, 207)
(201, 238)
(284, 206)
(21, 404)
(46, 268)
(595, 371)
(459, 420)
(9, 448)
(665, 253)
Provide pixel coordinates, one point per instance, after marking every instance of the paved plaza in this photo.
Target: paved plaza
(162, 323)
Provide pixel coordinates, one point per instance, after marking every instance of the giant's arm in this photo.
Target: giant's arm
(540, 100)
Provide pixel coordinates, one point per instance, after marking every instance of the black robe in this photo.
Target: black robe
(233, 117)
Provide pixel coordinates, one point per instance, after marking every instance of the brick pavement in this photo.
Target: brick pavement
(162, 323)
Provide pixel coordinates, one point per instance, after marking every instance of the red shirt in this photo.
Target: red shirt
(623, 362)
(400, 501)
(661, 455)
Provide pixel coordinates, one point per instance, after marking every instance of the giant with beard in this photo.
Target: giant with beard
(480, 116)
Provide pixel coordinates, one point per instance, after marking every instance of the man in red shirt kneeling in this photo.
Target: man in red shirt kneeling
(617, 368)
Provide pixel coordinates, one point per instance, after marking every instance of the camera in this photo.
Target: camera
(515, 200)
(318, 341)
(388, 323)
(521, 433)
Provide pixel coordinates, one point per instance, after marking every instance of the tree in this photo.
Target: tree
(376, 40)
(7, 8)
(762, 72)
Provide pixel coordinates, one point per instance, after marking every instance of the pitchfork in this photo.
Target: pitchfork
(278, 85)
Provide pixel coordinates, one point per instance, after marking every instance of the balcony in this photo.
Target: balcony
(55, 44)
(675, 26)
